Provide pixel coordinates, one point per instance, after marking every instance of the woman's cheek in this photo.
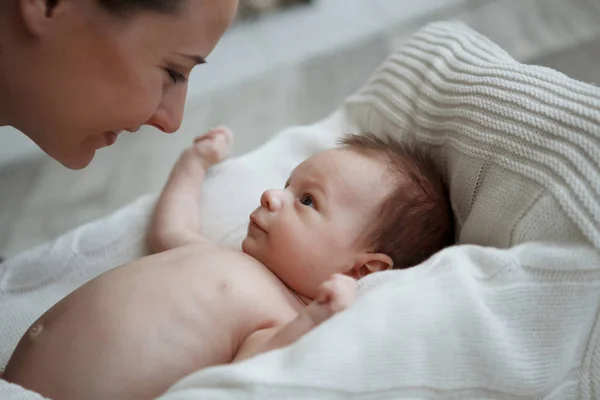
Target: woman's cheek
(140, 103)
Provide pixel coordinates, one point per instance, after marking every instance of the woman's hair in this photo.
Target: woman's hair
(127, 7)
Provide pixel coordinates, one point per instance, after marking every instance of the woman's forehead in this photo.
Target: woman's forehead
(194, 30)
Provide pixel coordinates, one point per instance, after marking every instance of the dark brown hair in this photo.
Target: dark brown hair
(416, 220)
(127, 7)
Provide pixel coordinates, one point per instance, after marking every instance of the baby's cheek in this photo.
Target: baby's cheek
(300, 242)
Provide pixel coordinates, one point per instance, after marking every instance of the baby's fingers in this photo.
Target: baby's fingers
(338, 293)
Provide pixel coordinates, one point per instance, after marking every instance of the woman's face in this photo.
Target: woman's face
(82, 74)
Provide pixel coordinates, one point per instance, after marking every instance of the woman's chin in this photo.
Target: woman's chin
(77, 160)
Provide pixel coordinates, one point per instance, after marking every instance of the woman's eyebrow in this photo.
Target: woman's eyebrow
(195, 58)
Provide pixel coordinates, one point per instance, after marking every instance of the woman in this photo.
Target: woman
(74, 74)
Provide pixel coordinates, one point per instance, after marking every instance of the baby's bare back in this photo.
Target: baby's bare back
(140, 327)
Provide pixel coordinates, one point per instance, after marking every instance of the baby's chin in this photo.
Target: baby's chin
(246, 248)
(251, 247)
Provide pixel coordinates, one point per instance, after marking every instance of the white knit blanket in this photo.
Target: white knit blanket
(510, 313)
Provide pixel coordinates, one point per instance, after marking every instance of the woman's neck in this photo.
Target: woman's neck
(5, 34)
(3, 104)
(3, 91)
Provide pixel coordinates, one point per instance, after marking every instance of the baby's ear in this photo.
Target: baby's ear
(371, 262)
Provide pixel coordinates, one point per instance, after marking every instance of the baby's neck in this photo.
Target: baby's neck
(301, 299)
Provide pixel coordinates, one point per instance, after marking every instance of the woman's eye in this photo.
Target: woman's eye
(307, 200)
(175, 76)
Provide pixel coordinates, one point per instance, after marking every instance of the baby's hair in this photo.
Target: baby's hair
(416, 220)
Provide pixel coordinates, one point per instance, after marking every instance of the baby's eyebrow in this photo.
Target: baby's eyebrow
(287, 183)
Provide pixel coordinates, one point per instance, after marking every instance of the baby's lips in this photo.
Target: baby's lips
(256, 221)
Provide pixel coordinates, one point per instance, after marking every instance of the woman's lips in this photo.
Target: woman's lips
(110, 137)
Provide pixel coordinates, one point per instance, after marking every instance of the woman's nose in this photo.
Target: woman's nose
(169, 114)
(272, 199)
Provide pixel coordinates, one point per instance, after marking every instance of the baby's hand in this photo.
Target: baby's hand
(213, 146)
(335, 295)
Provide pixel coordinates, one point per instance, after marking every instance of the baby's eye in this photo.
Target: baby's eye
(307, 200)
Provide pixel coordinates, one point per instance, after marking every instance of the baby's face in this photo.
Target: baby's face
(316, 225)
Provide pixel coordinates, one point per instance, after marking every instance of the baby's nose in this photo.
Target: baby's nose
(271, 200)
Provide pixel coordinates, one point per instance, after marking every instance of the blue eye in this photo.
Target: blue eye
(175, 76)
(307, 200)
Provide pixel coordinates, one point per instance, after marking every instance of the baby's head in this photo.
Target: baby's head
(369, 205)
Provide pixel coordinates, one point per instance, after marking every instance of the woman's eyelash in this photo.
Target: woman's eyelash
(175, 76)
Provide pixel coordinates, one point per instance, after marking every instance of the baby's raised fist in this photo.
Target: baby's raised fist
(334, 296)
(213, 146)
(337, 293)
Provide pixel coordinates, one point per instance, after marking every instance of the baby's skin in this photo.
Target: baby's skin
(135, 330)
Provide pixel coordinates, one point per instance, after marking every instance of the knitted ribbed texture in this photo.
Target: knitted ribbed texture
(516, 131)
(520, 146)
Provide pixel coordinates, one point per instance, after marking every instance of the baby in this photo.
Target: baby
(370, 205)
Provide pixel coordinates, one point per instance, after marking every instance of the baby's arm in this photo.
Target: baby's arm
(335, 295)
(176, 219)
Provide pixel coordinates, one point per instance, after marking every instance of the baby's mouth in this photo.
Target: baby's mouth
(256, 223)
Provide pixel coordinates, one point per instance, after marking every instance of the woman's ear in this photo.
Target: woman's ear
(38, 15)
(371, 262)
